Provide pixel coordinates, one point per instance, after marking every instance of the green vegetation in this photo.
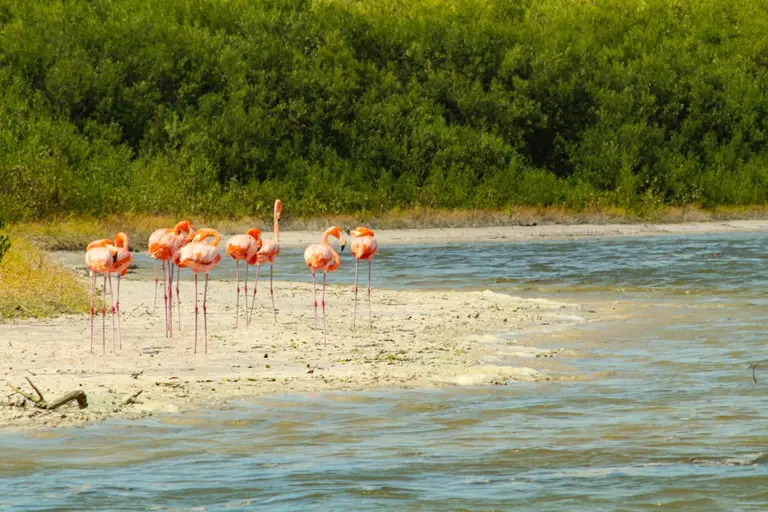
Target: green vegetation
(5, 241)
(216, 107)
(34, 286)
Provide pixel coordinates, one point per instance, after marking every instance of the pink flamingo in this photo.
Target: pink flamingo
(200, 256)
(243, 247)
(164, 248)
(123, 259)
(266, 255)
(363, 248)
(322, 257)
(100, 257)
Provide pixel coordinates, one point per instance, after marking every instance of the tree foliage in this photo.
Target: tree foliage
(218, 106)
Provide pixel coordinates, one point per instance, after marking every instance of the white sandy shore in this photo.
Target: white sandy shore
(419, 339)
(532, 233)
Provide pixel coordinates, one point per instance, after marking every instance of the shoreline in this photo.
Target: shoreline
(75, 234)
(537, 233)
(407, 348)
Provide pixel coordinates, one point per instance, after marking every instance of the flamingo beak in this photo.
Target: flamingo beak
(343, 245)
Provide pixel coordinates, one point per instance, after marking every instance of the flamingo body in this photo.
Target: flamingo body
(99, 259)
(199, 257)
(242, 247)
(364, 247)
(321, 257)
(267, 254)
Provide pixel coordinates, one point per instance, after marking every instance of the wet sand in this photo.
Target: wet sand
(418, 339)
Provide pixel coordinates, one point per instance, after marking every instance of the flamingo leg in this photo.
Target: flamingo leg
(314, 287)
(170, 299)
(237, 310)
(154, 306)
(354, 317)
(272, 294)
(370, 313)
(196, 313)
(117, 312)
(255, 288)
(165, 298)
(112, 308)
(93, 279)
(178, 298)
(103, 315)
(205, 313)
(325, 331)
(246, 291)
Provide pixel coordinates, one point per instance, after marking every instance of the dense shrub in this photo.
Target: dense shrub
(218, 106)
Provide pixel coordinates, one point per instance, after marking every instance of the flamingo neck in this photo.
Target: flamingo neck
(204, 234)
(277, 231)
(328, 232)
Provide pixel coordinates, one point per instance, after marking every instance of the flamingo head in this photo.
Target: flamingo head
(278, 209)
(255, 233)
(184, 226)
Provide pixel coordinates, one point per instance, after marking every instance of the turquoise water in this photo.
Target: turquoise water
(665, 414)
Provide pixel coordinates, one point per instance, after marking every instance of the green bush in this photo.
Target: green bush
(217, 106)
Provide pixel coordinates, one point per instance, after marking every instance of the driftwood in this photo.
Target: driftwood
(754, 369)
(41, 403)
(130, 399)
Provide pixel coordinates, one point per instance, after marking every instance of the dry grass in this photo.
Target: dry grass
(74, 233)
(31, 285)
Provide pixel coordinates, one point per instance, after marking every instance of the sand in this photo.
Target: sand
(418, 339)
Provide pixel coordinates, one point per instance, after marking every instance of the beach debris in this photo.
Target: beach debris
(41, 403)
(131, 399)
(754, 369)
(136, 375)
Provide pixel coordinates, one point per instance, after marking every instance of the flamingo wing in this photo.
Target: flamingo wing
(364, 247)
(318, 256)
(99, 259)
(241, 246)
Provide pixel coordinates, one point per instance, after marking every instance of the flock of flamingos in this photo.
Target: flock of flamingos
(197, 250)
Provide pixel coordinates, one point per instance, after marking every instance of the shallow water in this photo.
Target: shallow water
(665, 414)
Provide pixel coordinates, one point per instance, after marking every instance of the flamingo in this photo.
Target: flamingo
(363, 248)
(266, 255)
(100, 257)
(164, 248)
(123, 258)
(243, 247)
(200, 256)
(322, 257)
